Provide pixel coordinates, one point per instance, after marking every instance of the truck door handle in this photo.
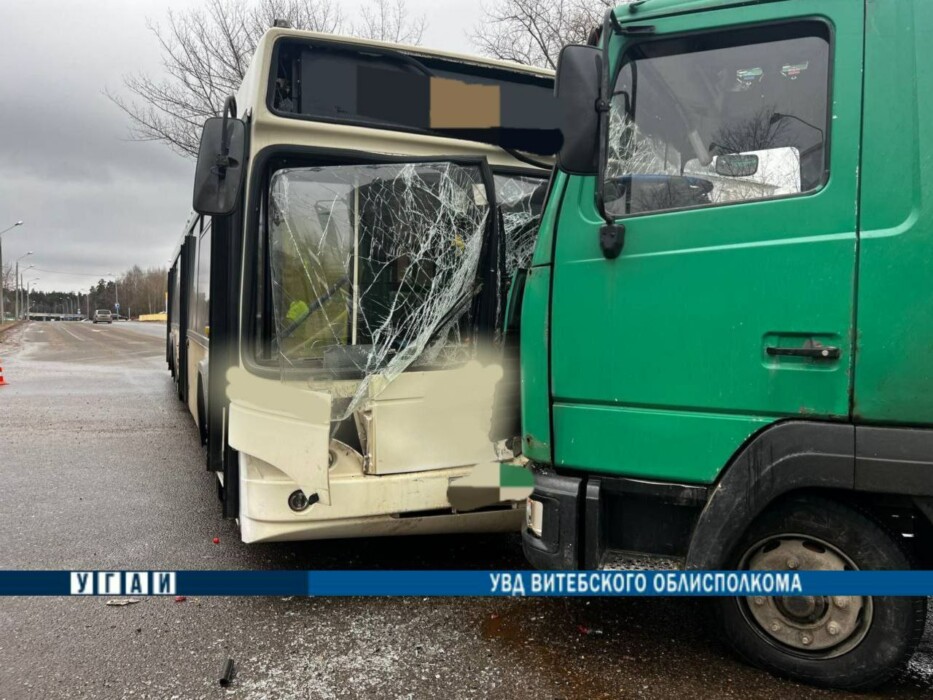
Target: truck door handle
(823, 352)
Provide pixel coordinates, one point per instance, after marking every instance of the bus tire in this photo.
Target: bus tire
(845, 642)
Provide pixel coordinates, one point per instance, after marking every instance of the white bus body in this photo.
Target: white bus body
(334, 413)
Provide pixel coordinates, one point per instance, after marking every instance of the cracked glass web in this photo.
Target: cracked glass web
(520, 199)
(375, 268)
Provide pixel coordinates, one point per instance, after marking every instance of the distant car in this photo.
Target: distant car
(103, 316)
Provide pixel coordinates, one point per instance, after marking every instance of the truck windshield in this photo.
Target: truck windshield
(680, 105)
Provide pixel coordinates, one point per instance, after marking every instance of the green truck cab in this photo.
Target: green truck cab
(727, 328)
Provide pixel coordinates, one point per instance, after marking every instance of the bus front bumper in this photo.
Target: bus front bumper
(362, 506)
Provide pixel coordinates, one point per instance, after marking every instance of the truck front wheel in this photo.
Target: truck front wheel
(851, 642)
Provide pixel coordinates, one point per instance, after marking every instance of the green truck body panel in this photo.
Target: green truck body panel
(535, 372)
(893, 377)
(658, 362)
(536, 405)
(755, 361)
(545, 242)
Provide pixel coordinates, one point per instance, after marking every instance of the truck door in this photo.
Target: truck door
(733, 156)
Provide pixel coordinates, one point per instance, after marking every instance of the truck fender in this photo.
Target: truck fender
(783, 457)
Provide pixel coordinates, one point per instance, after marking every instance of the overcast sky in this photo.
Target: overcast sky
(93, 201)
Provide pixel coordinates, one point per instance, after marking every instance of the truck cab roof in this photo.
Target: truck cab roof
(645, 9)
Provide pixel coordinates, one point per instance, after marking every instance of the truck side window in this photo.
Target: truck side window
(718, 118)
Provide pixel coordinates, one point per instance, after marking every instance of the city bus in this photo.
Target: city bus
(338, 302)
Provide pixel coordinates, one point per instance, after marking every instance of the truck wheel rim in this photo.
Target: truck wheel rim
(813, 626)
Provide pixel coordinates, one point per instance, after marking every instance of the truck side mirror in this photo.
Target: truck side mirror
(579, 73)
(221, 167)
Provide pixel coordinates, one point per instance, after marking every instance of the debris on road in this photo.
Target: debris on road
(122, 602)
(227, 673)
(180, 599)
(216, 540)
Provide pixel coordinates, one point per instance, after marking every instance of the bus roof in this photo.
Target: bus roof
(270, 128)
(277, 32)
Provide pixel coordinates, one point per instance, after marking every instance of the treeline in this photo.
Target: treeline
(138, 292)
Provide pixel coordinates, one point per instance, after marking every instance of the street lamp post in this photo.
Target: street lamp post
(28, 290)
(22, 292)
(2, 310)
(17, 296)
(116, 291)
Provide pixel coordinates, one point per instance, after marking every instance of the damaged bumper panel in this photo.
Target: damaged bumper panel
(555, 508)
(361, 505)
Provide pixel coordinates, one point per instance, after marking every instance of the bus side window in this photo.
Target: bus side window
(204, 284)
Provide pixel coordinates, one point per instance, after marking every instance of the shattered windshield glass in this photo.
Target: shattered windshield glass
(375, 267)
(520, 199)
(378, 268)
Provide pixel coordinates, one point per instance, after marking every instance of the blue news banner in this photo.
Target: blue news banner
(464, 583)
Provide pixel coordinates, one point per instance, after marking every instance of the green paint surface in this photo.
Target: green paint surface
(658, 358)
(893, 379)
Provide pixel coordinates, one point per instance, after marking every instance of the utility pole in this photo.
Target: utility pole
(28, 289)
(2, 291)
(19, 287)
(116, 291)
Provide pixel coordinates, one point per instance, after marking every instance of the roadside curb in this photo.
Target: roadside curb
(11, 327)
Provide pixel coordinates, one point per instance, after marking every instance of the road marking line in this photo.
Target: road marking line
(76, 337)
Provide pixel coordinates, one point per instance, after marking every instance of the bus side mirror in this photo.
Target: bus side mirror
(221, 167)
(579, 73)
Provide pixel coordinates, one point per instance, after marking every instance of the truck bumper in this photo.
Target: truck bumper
(556, 506)
(572, 521)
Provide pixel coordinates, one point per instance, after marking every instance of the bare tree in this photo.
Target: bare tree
(534, 31)
(389, 20)
(206, 52)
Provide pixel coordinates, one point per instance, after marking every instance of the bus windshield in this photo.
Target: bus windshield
(374, 268)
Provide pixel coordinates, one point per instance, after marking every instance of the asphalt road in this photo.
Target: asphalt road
(100, 468)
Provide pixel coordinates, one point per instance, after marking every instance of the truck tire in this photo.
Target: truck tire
(846, 642)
